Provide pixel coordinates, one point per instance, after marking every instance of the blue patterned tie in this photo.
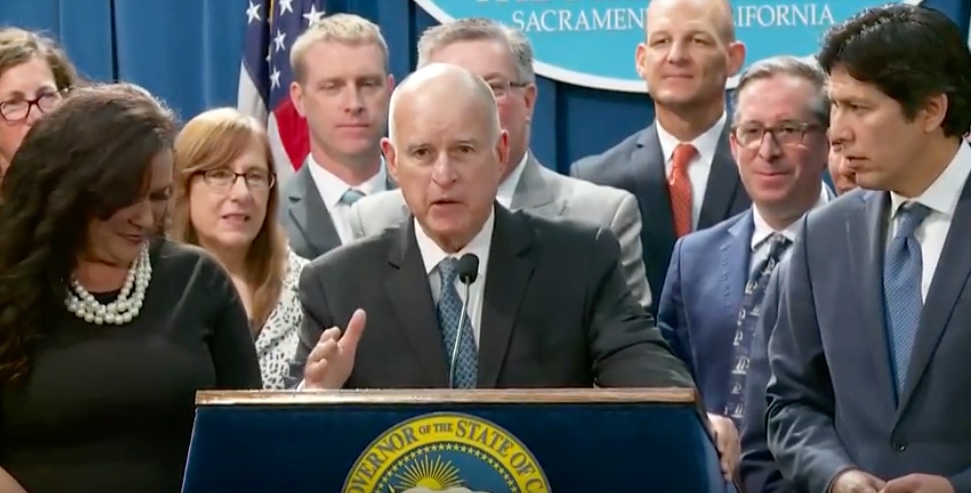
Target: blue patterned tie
(351, 195)
(748, 318)
(901, 288)
(449, 311)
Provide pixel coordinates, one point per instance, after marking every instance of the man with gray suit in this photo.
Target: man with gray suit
(870, 375)
(341, 85)
(504, 58)
(680, 168)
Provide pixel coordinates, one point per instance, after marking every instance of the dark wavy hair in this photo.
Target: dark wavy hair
(87, 159)
(910, 53)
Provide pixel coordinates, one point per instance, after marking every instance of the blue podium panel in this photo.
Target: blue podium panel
(481, 441)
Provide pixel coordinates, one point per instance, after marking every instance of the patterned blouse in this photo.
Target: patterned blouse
(277, 340)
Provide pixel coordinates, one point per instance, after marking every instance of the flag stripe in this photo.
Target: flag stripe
(265, 75)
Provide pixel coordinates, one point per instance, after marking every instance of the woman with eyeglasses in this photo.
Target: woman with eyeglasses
(34, 76)
(226, 200)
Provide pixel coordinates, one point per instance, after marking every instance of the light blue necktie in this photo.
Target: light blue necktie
(351, 195)
(901, 288)
(449, 313)
(748, 319)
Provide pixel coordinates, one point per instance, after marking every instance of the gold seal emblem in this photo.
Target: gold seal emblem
(446, 452)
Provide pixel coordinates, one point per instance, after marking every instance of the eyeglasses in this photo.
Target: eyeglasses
(501, 88)
(785, 134)
(18, 110)
(221, 180)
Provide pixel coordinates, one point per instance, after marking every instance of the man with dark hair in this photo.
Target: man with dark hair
(869, 356)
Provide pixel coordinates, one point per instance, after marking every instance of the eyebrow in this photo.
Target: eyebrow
(16, 93)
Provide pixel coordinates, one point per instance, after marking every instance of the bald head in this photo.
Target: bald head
(446, 151)
(716, 13)
(441, 85)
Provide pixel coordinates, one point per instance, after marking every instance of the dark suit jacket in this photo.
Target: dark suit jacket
(637, 165)
(700, 301)
(548, 321)
(757, 470)
(304, 216)
(831, 397)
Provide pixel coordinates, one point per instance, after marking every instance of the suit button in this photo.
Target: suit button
(899, 447)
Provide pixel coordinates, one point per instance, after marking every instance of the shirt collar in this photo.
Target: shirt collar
(508, 186)
(943, 194)
(432, 254)
(333, 188)
(762, 231)
(706, 143)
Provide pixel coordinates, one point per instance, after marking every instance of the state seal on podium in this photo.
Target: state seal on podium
(446, 452)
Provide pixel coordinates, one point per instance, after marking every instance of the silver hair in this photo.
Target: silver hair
(802, 68)
(479, 29)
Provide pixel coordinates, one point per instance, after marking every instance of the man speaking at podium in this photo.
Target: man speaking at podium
(465, 293)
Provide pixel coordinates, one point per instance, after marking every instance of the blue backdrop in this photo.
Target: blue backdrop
(188, 52)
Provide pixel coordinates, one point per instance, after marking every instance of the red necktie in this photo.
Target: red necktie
(679, 187)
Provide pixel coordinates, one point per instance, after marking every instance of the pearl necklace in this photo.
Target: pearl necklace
(121, 311)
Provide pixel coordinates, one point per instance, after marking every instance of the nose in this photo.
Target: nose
(239, 190)
(839, 131)
(353, 102)
(144, 215)
(678, 53)
(33, 113)
(443, 172)
(768, 148)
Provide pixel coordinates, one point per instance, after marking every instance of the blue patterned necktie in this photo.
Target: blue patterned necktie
(351, 195)
(748, 318)
(463, 375)
(901, 288)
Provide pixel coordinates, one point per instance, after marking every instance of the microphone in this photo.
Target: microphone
(468, 270)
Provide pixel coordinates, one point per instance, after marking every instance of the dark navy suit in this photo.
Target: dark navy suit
(637, 165)
(701, 299)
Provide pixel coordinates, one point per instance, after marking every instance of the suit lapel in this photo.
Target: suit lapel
(866, 241)
(534, 192)
(411, 298)
(735, 254)
(652, 183)
(309, 213)
(952, 273)
(511, 264)
(723, 184)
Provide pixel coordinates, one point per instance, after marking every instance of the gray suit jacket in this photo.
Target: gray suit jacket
(544, 193)
(553, 321)
(832, 400)
(305, 217)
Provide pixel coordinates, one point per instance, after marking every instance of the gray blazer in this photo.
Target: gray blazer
(544, 193)
(304, 216)
(831, 398)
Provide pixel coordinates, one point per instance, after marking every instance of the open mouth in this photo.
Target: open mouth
(236, 218)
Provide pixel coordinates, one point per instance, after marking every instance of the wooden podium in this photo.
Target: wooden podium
(416, 441)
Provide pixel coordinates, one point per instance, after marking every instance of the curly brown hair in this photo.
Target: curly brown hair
(88, 158)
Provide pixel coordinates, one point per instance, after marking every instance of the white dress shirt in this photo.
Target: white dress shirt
(508, 186)
(432, 254)
(332, 188)
(941, 197)
(762, 231)
(700, 166)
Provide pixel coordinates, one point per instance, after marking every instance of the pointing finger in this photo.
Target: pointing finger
(352, 334)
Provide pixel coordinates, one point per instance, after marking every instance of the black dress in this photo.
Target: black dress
(109, 409)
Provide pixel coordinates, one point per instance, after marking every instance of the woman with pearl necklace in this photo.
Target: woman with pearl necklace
(106, 330)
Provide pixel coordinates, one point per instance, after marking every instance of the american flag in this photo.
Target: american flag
(265, 76)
